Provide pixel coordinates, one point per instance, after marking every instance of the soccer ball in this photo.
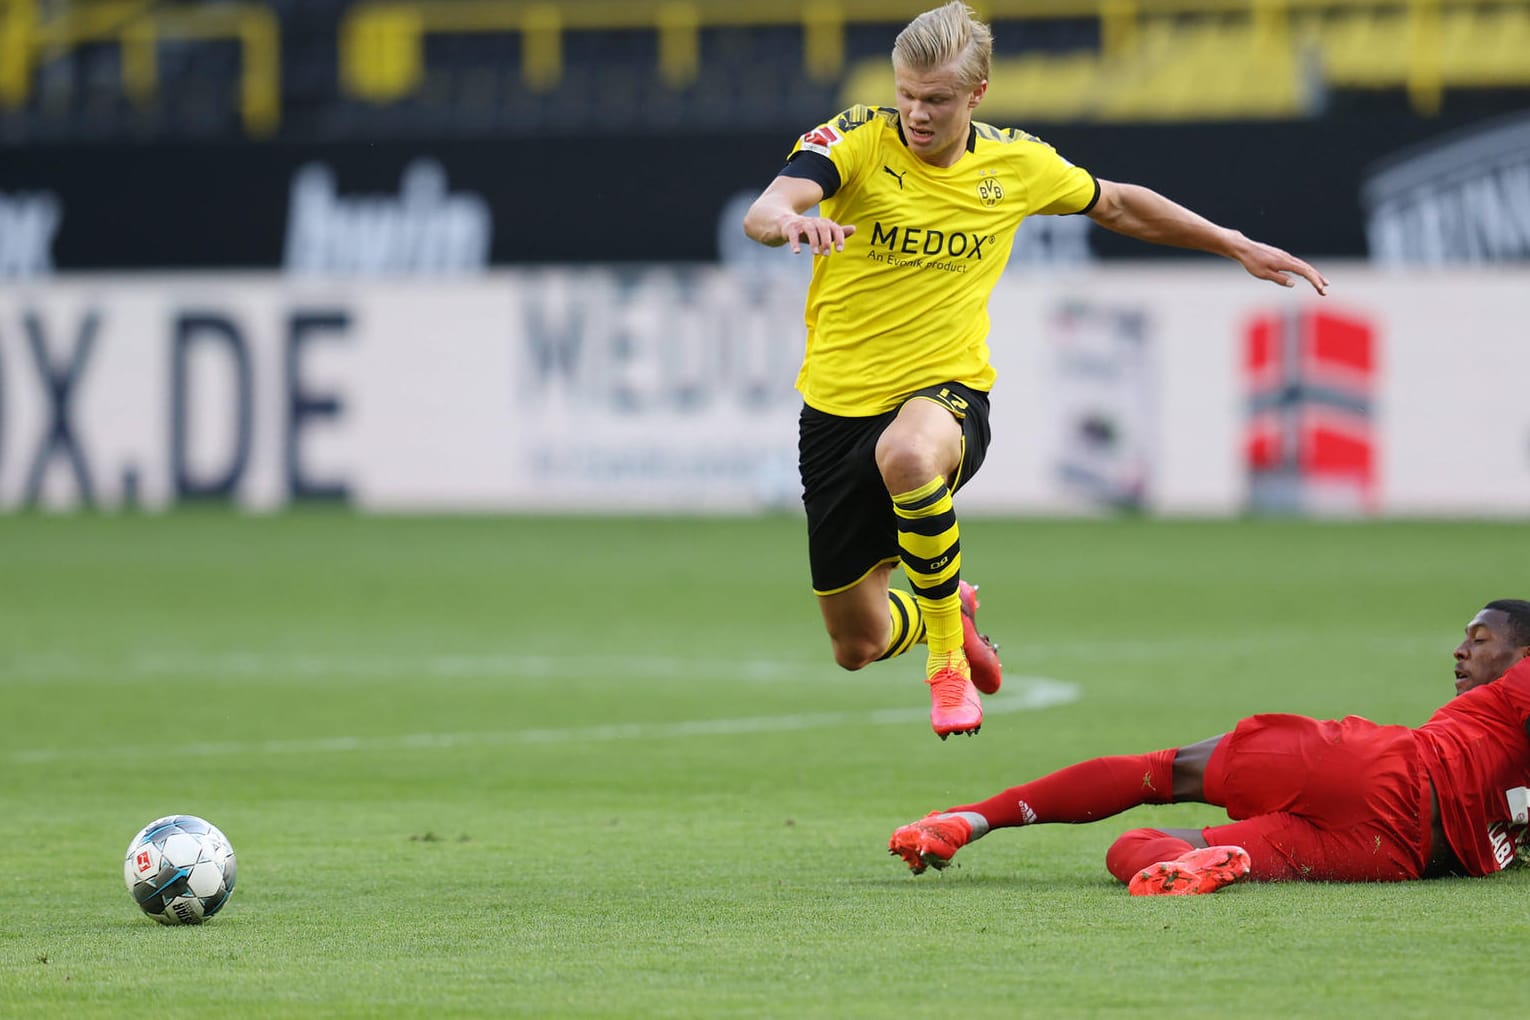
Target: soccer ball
(180, 869)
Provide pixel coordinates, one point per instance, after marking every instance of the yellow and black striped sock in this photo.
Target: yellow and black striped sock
(932, 558)
(907, 623)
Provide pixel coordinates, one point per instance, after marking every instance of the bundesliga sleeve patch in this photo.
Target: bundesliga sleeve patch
(820, 139)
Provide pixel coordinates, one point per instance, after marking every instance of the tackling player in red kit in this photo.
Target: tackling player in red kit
(1345, 800)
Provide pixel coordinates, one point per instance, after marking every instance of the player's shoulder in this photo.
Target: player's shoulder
(859, 122)
(860, 116)
(1028, 154)
(1518, 674)
(1013, 139)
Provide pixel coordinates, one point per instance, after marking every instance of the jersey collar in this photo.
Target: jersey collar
(971, 136)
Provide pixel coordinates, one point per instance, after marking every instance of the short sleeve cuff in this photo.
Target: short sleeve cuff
(822, 171)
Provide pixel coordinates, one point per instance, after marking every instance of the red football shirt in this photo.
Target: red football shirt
(1476, 750)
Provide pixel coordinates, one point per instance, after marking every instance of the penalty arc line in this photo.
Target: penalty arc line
(1022, 694)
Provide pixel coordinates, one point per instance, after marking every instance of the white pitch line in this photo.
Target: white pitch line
(50, 667)
(1021, 694)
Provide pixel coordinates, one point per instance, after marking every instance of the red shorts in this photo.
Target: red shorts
(1339, 800)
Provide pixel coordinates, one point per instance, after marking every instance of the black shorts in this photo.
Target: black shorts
(851, 526)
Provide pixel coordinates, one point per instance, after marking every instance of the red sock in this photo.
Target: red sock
(1085, 792)
(1138, 849)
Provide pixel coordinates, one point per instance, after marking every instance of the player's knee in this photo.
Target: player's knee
(1132, 851)
(855, 653)
(901, 462)
(1118, 858)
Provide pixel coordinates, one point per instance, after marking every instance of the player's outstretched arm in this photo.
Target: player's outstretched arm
(776, 218)
(1146, 215)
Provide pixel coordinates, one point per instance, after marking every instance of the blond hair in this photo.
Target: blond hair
(943, 35)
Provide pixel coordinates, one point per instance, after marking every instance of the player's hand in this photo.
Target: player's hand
(821, 235)
(1270, 263)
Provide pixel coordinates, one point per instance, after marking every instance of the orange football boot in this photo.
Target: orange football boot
(930, 842)
(1200, 871)
(982, 653)
(954, 703)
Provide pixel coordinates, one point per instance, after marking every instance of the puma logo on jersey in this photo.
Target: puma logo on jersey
(895, 174)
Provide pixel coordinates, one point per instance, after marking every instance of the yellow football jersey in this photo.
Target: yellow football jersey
(905, 305)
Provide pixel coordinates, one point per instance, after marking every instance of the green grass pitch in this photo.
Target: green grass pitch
(605, 767)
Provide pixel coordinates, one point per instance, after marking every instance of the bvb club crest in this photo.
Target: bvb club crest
(989, 189)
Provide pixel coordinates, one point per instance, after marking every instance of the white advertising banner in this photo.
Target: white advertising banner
(1163, 389)
(1204, 392)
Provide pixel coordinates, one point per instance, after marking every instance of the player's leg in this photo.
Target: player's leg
(860, 636)
(1178, 862)
(1135, 850)
(982, 653)
(922, 456)
(905, 622)
(867, 622)
(1174, 862)
(1283, 847)
(970, 407)
(1180, 869)
(1085, 792)
(852, 541)
(1142, 848)
(1313, 800)
(916, 455)
(1190, 763)
(1341, 800)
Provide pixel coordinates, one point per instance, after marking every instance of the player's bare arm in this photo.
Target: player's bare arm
(776, 218)
(1146, 215)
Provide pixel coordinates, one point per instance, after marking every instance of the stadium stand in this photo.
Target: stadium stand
(335, 69)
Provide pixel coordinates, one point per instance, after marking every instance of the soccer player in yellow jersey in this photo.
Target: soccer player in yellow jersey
(919, 206)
